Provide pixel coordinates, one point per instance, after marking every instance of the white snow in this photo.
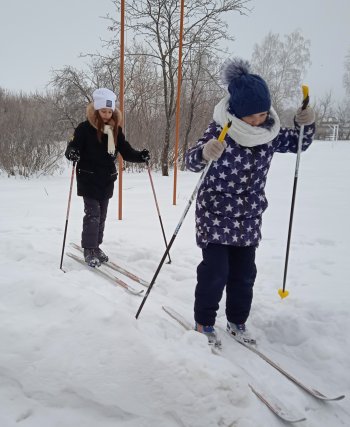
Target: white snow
(73, 354)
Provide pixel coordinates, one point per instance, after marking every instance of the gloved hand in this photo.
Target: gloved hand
(72, 154)
(213, 149)
(305, 117)
(145, 156)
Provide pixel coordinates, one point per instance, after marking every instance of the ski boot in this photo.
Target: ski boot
(210, 333)
(101, 255)
(90, 258)
(239, 332)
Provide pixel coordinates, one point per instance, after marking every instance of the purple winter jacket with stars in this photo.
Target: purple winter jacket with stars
(231, 199)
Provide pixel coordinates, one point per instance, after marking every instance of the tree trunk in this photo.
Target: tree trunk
(165, 151)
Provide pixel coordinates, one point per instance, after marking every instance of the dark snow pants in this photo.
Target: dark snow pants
(230, 266)
(93, 222)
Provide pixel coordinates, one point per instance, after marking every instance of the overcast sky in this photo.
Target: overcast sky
(40, 35)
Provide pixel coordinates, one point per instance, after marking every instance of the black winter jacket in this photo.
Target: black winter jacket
(96, 169)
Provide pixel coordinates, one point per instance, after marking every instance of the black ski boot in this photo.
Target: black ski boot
(101, 255)
(90, 257)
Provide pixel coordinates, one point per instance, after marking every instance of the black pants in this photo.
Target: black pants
(93, 222)
(230, 266)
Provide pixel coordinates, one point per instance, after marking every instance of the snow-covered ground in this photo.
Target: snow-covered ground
(73, 354)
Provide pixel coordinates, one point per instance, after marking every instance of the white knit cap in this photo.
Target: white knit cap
(104, 98)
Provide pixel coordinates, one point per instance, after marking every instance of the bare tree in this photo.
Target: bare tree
(282, 63)
(346, 78)
(156, 23)
(29, 135)
(72, 88)
(343, 115)
(144, 117)
(324, 109)
(343, 110)
(201, 91)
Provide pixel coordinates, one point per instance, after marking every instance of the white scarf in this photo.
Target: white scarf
(109, 131)
(240, 131)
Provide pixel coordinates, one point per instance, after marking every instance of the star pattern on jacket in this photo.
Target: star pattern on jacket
(231, 198)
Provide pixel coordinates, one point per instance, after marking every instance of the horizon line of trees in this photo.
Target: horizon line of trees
(33, 126)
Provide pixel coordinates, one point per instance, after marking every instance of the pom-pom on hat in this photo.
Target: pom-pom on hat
(249, 93)
(104, 98)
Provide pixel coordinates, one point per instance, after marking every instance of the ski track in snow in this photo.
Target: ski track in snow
(73, 354)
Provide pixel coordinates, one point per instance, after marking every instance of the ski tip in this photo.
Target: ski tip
(274, 404)
(327, 398)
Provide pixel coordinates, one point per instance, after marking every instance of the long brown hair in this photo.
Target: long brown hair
(113, 121)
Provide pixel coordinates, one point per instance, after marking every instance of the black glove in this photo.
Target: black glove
(72, 154)
(145, 156)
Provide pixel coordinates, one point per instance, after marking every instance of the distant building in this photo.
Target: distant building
(332, 129)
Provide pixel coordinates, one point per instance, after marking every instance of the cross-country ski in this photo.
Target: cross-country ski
(114, 266)
(106, 274)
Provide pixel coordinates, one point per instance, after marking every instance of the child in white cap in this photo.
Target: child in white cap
(94, 146)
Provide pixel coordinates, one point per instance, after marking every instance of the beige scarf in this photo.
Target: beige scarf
(109, 131)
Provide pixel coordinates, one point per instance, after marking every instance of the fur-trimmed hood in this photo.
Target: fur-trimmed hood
(90, 115)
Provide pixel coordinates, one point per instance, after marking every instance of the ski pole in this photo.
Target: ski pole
(157, 206)
(67, 215)
(201, 179)
(282, 292)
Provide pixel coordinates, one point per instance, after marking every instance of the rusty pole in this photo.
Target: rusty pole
(121, 106)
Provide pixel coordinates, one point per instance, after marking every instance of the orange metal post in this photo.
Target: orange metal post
(177, 128)
(121, 107)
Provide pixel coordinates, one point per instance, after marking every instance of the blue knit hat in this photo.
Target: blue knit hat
(249, 93)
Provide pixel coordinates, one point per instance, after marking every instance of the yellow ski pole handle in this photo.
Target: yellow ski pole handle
(306, 98)
(282, 292)
(224, 131)
(305, 89)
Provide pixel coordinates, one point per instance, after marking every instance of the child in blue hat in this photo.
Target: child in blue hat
(231, 199)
